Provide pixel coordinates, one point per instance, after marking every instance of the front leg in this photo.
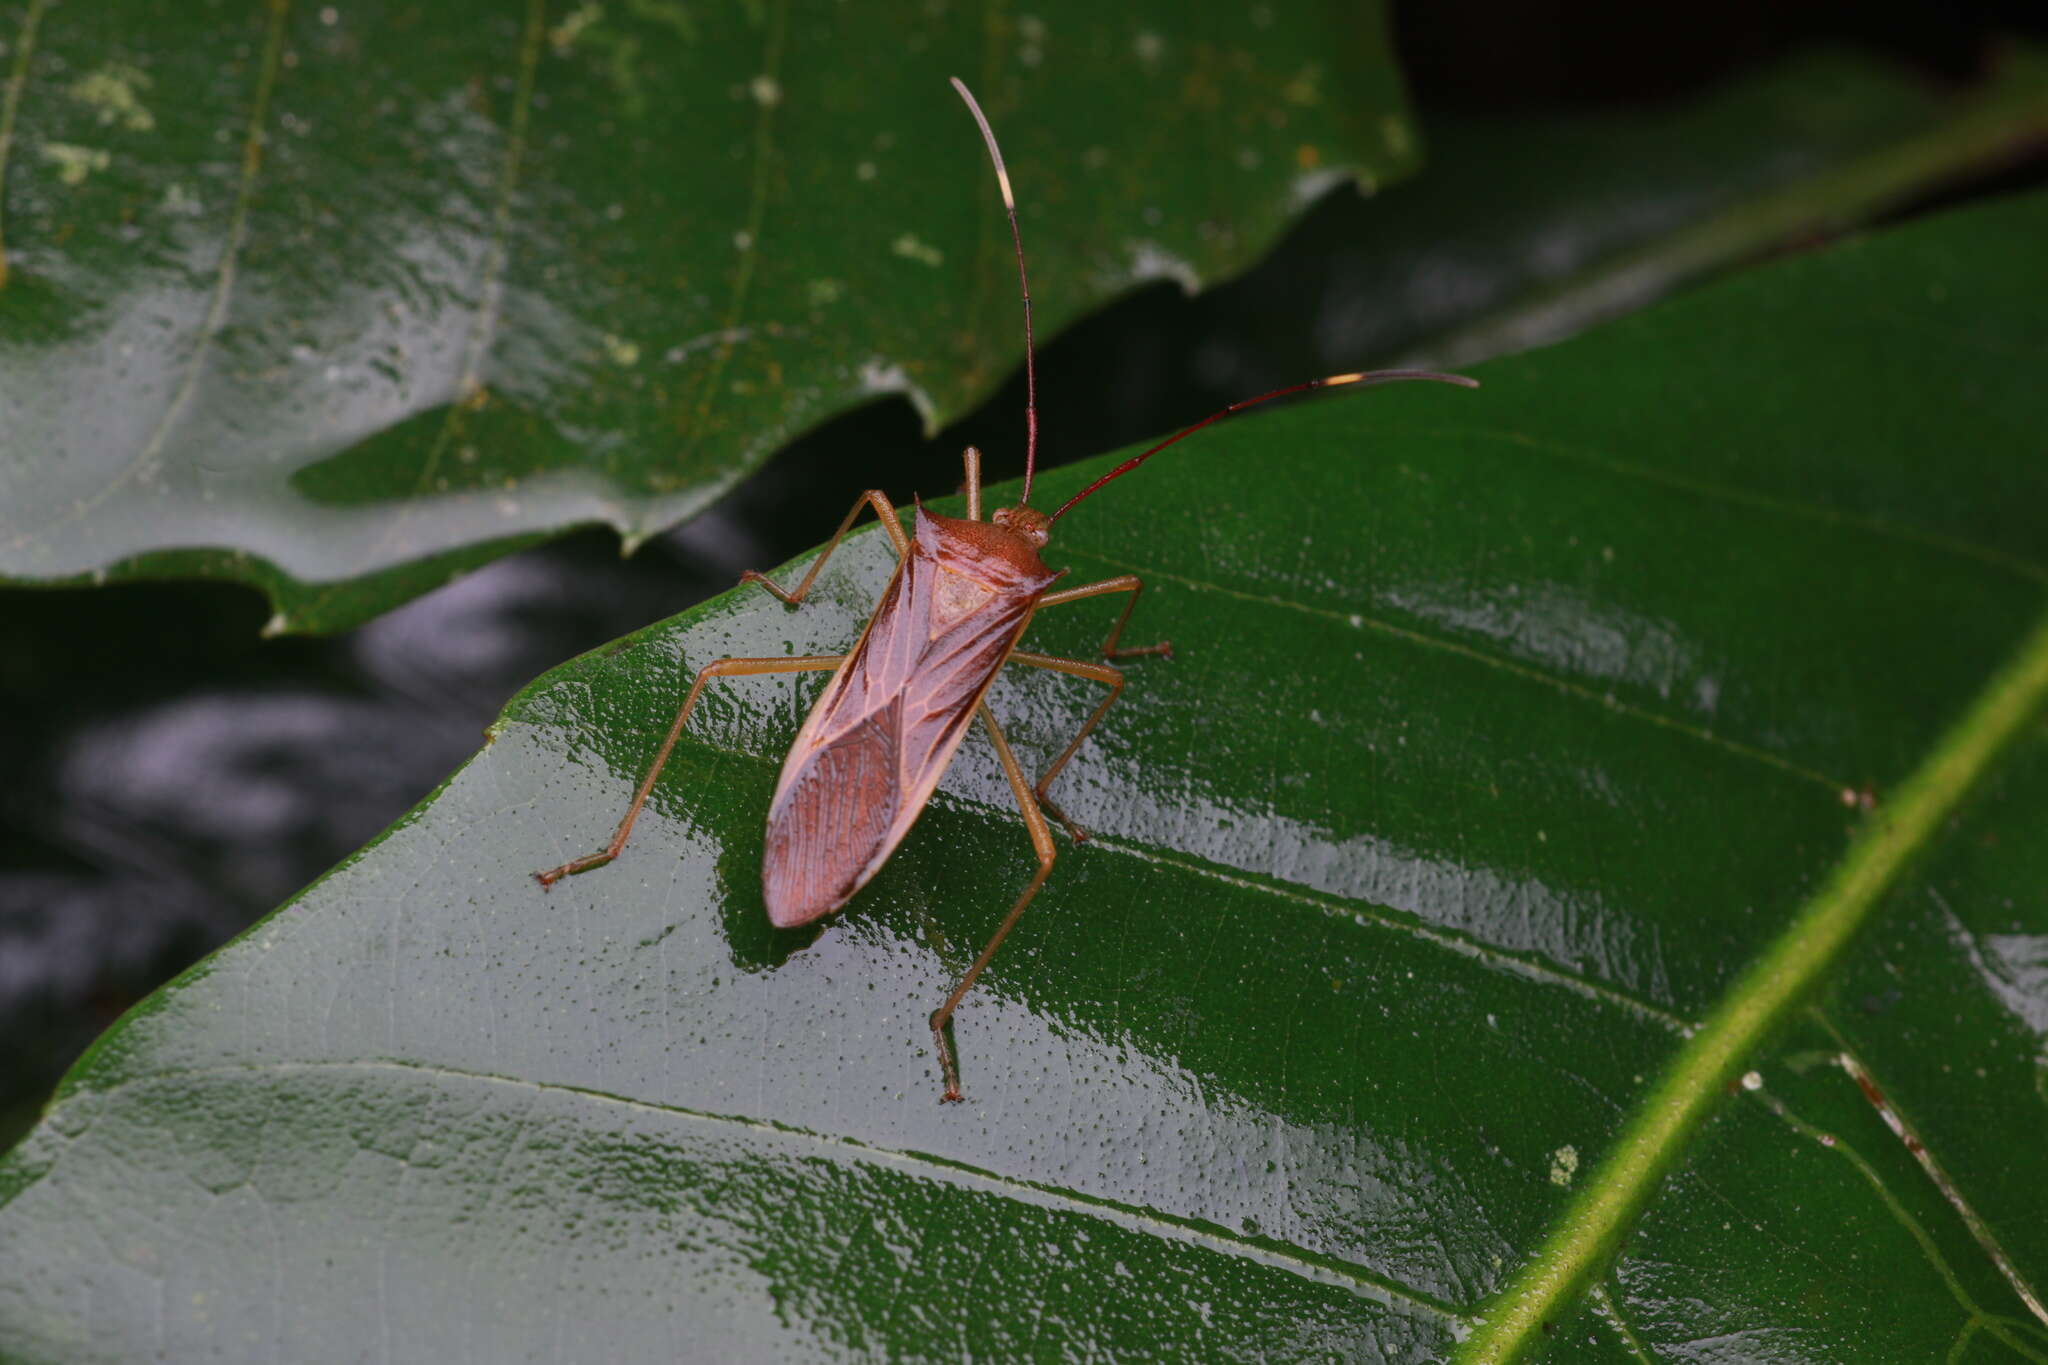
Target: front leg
(885, 512)
(1127, 582)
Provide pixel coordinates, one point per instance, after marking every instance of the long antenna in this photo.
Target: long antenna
(1331, 381)
(1023, 282)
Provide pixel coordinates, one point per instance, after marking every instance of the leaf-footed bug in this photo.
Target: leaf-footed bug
(899, 703)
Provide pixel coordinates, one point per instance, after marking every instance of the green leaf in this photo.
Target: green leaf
(341, 300)
(1592, 217)
(1521, 229)
(1471, 926)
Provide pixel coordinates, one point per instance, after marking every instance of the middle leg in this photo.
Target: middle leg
(1079, 668)
(1125, 582)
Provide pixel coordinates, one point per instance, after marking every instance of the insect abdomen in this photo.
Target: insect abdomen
(833, 819)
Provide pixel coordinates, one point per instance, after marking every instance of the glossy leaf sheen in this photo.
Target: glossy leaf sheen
(1507, 730)
(311, 295)
(1570, 204)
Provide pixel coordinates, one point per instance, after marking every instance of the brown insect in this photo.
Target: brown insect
(898, 705)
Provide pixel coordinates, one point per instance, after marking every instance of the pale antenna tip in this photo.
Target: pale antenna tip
(988, 135)
(1394, 377)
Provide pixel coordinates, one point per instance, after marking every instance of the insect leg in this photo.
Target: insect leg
(885, 512)
(1125, 582)
(722, 668)
(1042, 845)
(1079, 668)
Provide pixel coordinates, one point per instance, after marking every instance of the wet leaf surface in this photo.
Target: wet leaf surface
(108, 885)
(1507, 731)
(343, 300)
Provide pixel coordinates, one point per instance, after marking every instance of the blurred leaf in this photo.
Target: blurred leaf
(1604, 216)
(1509, 732)
(1521, 230)
(342, 300)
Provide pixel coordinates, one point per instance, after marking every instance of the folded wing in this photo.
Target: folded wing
(888, 723)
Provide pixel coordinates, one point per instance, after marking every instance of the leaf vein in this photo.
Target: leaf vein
(1888, 1110)
(1584, 1238)
(729, 334)
(1298, 1261)
(1530, 967)
(1605, 701)
(1524, 965)
(215, 321)
(10, 103)
(2010, 563)
(1976, 1317)
(483, 330)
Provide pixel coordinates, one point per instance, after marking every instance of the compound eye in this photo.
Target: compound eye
(1027, 522)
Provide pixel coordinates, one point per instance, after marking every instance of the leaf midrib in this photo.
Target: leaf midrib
(1608, 1204)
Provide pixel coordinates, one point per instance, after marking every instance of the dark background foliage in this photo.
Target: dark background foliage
(172, 776)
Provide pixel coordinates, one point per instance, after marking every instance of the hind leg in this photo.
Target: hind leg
(1042, 845)
(723, 668)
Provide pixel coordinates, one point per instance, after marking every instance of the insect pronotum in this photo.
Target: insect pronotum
(900, 701)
